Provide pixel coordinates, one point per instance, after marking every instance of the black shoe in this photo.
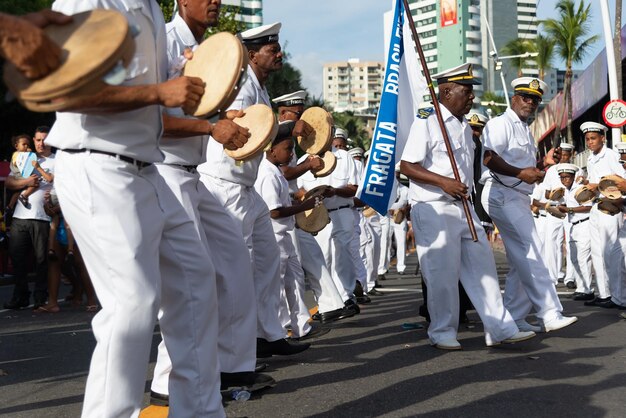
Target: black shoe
(571, 285)
(583, 296)
(249, 381)
(381, 277)
(158, 399)
(316, 316)
(378, 285)
(350, 304)
(336, 315)
(280, 347)
(316, 331)
(375, 292)
(423, 311)
(601, 302)
(260, 367)
(16, 304)
(363, 299)
(358, 289)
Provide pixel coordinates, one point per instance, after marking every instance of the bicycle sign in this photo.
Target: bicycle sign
(614, 113)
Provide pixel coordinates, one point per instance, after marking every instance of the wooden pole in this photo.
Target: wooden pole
(444, 131)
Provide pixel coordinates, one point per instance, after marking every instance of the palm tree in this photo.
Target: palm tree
(570, 33)
(493, 102)
(518, 46)
(354, 126)
(544, 47)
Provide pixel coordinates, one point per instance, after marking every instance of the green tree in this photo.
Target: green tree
(355, 127)
(226, 23)
(570, 32)
(544, 47)
(22, 7)
(518, 47)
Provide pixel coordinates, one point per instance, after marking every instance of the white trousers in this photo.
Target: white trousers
(399, 233)
(540, 225)
(617, 268)
(570, 269)
(334, 240)
(385, 244)
(528, 283)
(553, 246)
(292, 277)
(370, 249)
(252, 217)
(329, 296)
(235, 288)
(355, 248)
(604, 230)
(579, 252)
(447, 254)
(142, 251)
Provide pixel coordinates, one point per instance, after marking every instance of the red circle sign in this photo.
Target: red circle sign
(614, 113)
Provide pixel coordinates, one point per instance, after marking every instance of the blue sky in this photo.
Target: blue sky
(319, 31)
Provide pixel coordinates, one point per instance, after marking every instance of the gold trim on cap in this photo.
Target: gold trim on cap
(529, 90)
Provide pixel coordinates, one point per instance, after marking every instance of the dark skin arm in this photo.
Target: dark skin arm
(18, 184)
(417, 173)
(313, 162)
(286, 211)
(496, 164)
(225, 131)
(577, 209)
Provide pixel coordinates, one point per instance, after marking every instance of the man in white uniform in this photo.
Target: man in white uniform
(232, 183)
(130, 228)
(510, 158)
(604, 228)
(401, 204)
(184, 147)
(445, 248)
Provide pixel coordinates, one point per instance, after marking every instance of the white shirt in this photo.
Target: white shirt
(133, 133)
(570, 202)
(190, 150)
(511, 139)
(272, 185)
(218, 164)
(552, 181)
(345, 173)
(426, 147)
(402, 196)
(36, 200)
(602, 164)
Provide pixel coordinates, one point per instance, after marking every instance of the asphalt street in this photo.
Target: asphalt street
(366, 366)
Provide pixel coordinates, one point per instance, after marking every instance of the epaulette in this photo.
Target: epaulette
(425, 113)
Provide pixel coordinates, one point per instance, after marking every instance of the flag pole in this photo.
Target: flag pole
(444, 131)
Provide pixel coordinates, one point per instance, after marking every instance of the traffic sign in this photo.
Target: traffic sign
(614, 113)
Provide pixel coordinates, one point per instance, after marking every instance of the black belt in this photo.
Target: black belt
(543, 215)
(577, 222)
(139, 164)
(340, 207)
(188, 168)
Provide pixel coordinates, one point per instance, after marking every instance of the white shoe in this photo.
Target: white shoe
(526, 327)
(519, 336)
(448, 345)
(559, 322)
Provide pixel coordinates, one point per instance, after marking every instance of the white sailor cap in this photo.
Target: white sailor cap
(366, 153)
(398, 167)
(620, 147)
(291, 99)
(529, 85)
(476, 119)
(461, 74)
(593, 127)
(355, 152)
(566, 147)
(262, 35)
(567, 168)
(340, 133)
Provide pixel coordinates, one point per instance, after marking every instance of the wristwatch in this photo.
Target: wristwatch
(570, 210)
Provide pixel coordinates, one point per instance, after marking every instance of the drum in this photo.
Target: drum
(398, 216)
(556, 194)
(330, 162)
(260, 120)
(221, 62)
(584, 195)
(322, 123)
(610, 206)
(554, 211)
(316, 219)
(93, 44)
(608, 186)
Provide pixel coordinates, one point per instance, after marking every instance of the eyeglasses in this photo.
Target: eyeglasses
(298, 114)
(528, 98)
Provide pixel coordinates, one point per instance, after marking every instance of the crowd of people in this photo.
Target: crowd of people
(172, 229)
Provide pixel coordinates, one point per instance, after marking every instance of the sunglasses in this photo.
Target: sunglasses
(530, 98)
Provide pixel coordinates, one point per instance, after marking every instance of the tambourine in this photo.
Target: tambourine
(610, 206)
(260, 120)
(321, 137)
(368, 212)
(608, 186)
(330, 162)
(584, 195)
(556, 194)
(554, 211)
(316, 219)
(398, 216)
(221, 61)
(96, 44)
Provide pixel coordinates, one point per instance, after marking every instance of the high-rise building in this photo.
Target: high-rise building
(250, 11)
(353, 85)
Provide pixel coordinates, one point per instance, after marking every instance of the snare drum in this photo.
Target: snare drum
(260, 120)
(221, 62)
(330, 162)
(321, 138)
(92, 45)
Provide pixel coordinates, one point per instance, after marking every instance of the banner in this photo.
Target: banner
(449, 13)
(403, 89)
